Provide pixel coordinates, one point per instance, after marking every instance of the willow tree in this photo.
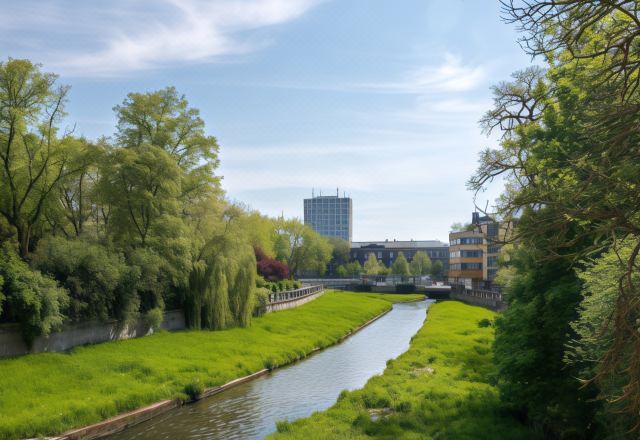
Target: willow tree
(221, 287)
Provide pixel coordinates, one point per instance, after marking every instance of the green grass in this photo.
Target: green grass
(49, 393)
(438, 389)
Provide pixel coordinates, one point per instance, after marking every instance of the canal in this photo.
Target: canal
(250, 410)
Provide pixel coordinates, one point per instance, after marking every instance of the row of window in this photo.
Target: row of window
(408, 255)
(466, 254)
(465, 266)
(466, 240)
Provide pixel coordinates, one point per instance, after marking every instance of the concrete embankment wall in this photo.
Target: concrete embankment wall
(90, 332)
(490, 303)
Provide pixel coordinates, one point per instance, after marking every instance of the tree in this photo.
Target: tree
(164, 119)
(353, 269)
(572, 172)
(420, 264)
(270, 268)
(33, 159)
(437, 269)
(593, 332)
(340, 253)
(400, 266)
(301, 247)
(371, 265)
(531, 336)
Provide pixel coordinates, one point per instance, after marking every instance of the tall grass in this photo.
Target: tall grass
(438, 389)
(49, 393)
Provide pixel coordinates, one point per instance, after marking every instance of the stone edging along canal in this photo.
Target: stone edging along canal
(126, 420)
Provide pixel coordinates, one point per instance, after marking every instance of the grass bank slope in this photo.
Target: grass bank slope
(438, 389)
(49, 393)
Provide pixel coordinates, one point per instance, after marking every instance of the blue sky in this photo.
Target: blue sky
(378, 98)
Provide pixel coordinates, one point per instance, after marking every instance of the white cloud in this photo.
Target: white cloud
(450, 75)
(135, 35)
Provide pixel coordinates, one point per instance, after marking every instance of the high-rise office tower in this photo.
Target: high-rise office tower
(330, 216)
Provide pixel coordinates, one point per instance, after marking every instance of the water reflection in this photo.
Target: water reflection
(250, 410)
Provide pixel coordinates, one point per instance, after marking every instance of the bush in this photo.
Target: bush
(270, 268)
(484, 323)
(154, 317)
(194, 388)
(32, 299)
(405, 288)
(262, 299)
(100, 283)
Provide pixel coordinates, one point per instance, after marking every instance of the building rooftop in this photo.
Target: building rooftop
(395, 244)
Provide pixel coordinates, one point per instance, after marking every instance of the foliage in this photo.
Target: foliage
(340, 254)
(400, 266)
(34, 159)
(439, 388)
(420, 264)
(270, 268)
(594, 333)
(374, 267)
(569, 150)
(437, 269)
(30, 298)
(153, 318)
(99, 282)
(302, 248)
(531, 336)
(141, 371)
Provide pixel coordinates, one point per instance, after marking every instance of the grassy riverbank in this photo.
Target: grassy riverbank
(51, 392)
(438, 389)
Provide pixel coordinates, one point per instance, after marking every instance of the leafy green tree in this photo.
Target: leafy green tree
(437, 269)
(400, 266)
(420, 264)
(531, 336)
(30, 298)
(575, 150)
(371, 265)
(164, 119)
(594, 334)
(34, 159)
(353, 269)
(341, 271)
(302, 248)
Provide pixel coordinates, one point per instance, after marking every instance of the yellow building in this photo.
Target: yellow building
(473, 253)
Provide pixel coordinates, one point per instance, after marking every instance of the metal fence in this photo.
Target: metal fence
(290, 295)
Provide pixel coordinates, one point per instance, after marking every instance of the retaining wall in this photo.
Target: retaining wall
(90, 332)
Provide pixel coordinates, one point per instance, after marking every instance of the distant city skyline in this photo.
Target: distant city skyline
(380, 100)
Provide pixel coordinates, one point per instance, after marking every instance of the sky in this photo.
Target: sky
(377, 98)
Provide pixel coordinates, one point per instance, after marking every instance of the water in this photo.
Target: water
(250, 410)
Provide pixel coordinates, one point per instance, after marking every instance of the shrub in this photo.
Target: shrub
(194, 388)
(99, 282)
(153, 318)
(262, 299)
(270, 268)
(484, 323)
(33, 300)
